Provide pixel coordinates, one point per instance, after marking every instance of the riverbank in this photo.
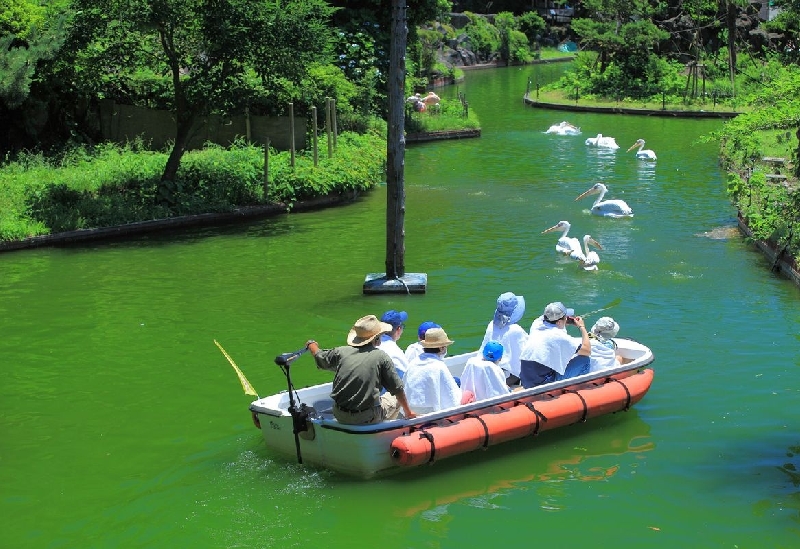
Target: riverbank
(641, 111)
(182, 222)
(779, 261)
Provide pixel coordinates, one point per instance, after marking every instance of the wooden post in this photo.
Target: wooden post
(333, 118)
(395, 279)
(291, 129)
(314, 126)
(247, 123)
(328, 125)
(266, 170)
(395, 153)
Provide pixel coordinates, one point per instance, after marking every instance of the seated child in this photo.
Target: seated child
(483, 376)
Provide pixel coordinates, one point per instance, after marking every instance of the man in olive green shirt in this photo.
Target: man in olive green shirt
(362, 370)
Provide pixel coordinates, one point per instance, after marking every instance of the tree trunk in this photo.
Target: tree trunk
(395, 148)
(185, 114)
(181, 141)
(797, 155)
(730, 20)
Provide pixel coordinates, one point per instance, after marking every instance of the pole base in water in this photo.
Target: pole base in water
(410, 283)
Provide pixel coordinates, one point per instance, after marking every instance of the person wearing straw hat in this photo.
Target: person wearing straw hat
(504, 328)
(415, 349)
(482, 374)
(604, 348)
(362, 371)
(550, 353)
(429, 385)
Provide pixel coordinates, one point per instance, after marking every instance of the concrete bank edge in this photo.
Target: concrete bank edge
(782, 265)
(141, 227)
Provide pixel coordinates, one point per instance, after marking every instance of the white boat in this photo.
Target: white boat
(299, 423)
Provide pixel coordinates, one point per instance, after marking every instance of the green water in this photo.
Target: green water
(122, 425)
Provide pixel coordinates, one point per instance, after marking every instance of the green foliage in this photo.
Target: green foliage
(31, 38)
(450, 115)
(209, 49)
(360, 52)
(532, 25)
(107, 185)
(483, 37)
(20, 17)
(770, 206)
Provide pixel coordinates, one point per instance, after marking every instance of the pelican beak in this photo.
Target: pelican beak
(553, 228)
(587, 193)
(632, 147)
(595, 243)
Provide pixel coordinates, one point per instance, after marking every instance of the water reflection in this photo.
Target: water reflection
(613, 443)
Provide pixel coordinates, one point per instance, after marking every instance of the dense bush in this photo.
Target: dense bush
(107, 185)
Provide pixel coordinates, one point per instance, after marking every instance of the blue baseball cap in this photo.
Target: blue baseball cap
(493, 351)
(395, 318)
(424, 327)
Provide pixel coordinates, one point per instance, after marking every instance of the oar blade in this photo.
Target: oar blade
(248, 388)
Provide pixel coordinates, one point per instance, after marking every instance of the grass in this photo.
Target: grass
(451, 116)
(669, 103)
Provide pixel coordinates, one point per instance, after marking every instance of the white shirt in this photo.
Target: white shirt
(483, 378)
(429, 385)
(413, 351)
(513, 338)
(390, 347)
(551, 346)
(602, 357)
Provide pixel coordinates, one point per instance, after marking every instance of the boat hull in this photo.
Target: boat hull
(368, 451)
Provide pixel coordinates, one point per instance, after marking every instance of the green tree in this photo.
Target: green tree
(207, 47)
(20, 17)
(786, 25)
(31, 35)
(532, 25)
(624, 37)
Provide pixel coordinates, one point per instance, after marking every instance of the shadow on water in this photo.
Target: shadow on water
(582, 452)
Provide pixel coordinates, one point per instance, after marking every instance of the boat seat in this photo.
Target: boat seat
(324, 407)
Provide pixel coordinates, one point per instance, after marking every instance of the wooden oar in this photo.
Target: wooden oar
(248, 389)
(612, 304)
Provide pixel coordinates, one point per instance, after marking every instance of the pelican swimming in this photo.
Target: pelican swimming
(564, 128)
(644, 154)
(602, 141)
(607, 208)
(566, 244)
(588, 258)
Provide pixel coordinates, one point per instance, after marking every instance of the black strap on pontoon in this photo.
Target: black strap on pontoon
(485, 429)
(539, 417)
(627, 392)
(426, 434)
(580, 396)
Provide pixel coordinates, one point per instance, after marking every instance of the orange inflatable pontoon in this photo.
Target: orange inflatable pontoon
(520, 418)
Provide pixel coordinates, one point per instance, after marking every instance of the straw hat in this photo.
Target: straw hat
(435, 338)
(365, 329)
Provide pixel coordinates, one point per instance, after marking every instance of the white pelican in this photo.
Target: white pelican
(588, 258)
(645, 154)
(566, 244)
(431, 99)
(602, 141)
(564, 128)
(607, 208)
